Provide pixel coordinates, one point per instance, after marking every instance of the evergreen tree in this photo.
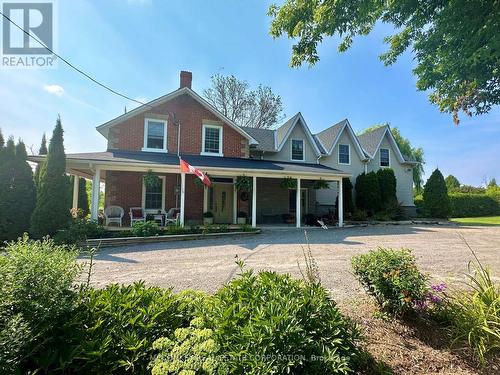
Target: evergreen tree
(368, 192)
(436, 200)
(51, 211)
(2, 141)
(7, 202)
(387, 183)
(23, 193)
(452, 183)
(41, 151)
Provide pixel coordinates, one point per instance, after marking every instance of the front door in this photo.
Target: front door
(222, 204)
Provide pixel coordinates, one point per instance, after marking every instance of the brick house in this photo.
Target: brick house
(150, 138)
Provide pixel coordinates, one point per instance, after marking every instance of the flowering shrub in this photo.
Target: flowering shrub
(392, 277)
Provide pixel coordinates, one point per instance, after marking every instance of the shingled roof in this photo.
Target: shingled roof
(265, 137)
(371, 139)
(328, 136)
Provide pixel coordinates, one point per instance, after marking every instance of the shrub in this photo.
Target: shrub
(145, 229)
(368, 196)
(37, 298)
(392, 277)
(387, 183)
(436, 200)
(470, 205)
(121, 324)
(192, 350)
(208, 214)
(474, 316)
(271, 323)
(359, 215)
(79, 230)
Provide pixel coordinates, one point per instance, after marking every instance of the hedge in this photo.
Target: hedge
(470, 205)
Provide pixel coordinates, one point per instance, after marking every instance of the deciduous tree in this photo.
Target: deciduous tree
(260, 108)
(452, 183)
(455, 43)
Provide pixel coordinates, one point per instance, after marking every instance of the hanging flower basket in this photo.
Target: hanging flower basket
(288, 183)
(320, 184)
(151, 180)
(244, 183)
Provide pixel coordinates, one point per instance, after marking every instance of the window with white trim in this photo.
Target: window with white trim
(153, 196)
(155, 135)
(297, 152)
(212, 140)
(344, 154)
(385, 157)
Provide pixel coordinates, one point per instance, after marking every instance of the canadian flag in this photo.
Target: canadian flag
(185, 167)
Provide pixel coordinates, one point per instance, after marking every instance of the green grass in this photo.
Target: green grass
(485, 220)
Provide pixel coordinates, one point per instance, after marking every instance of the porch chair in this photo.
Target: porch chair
(113, 214)
(172, 216)
(136, 215)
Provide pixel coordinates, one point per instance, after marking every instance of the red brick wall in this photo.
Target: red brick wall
(129, 135)
(124, 189)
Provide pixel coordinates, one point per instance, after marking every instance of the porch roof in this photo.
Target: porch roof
(127, 160)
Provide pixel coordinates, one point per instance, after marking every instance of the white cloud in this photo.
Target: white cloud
(54, 89)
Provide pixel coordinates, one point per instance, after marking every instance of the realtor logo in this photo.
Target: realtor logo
(21, 50)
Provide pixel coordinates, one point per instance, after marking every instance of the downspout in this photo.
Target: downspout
(319, 157)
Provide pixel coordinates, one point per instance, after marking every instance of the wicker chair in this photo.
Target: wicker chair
(113, 214)
(136, 215)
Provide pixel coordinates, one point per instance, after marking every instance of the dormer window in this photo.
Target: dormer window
(344, 154)
(212, 140)
(384, 157)
(297, 152)
(155, 135)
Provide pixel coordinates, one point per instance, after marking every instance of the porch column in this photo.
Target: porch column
(341, 205)
(76, 187)
(298, 214)
(235, 202)
(254, 202)
(183, 196)
(96, 182)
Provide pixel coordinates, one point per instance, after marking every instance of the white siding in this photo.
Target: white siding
(285, 153)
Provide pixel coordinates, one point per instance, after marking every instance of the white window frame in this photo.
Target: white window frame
(221, 138)
(143, 203)
(145, 145)
(303, 150)
(349, 153)
(380, 157)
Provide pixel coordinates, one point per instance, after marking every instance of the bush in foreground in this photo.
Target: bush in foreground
(261, 324)
(473, 316)
(37, 298)
(392, 277)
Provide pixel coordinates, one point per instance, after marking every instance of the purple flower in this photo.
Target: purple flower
(434, 299)
(438, 287)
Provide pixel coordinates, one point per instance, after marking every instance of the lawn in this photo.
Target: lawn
(484, 220)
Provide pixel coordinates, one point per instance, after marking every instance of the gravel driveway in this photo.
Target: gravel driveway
(207, 264)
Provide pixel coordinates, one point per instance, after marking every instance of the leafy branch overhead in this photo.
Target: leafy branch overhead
(456, 44)
(260, 108)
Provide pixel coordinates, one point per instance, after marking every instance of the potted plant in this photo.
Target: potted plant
(208, 218)
(241, 218)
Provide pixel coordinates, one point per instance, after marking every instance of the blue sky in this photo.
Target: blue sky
(139, 46)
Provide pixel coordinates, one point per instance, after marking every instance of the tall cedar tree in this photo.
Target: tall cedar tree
(41, 151)
(436, 199)
(23, 193)
(51, 212)
(2, 141)
(7, 201)
(387, 183)
(368, 193)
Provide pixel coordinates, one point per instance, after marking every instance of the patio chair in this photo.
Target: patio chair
(113, 214)
(172, 216)
(136, 215)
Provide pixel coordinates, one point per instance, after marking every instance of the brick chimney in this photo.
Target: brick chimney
(186, 79)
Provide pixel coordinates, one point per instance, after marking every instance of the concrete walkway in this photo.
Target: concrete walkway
(208, 264)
